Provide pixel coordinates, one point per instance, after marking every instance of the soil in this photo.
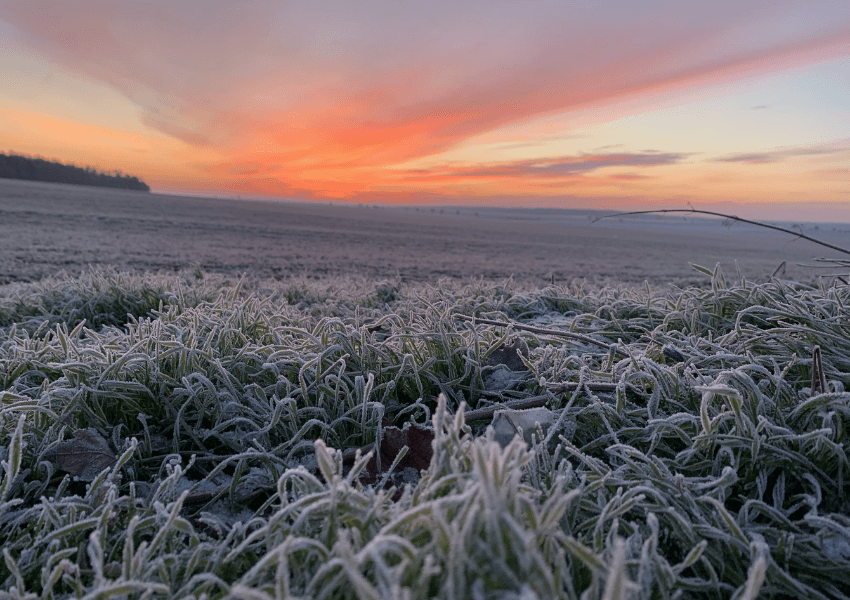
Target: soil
(47, 228)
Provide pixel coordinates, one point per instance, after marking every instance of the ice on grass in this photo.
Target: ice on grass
(509, 423)
(502, 378)
(636, 479)
(837, 548)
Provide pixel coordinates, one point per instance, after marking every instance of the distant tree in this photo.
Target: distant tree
(15, 166)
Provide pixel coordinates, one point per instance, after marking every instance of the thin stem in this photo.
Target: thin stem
(567, 334)
(733, 217)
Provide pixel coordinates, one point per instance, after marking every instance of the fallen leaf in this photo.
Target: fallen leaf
(85, 456)
(418, 440)
(509, 355)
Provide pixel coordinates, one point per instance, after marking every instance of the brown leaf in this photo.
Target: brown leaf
(85, 456)
(509, 355)
(418, 440)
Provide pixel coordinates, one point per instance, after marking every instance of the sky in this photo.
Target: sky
(618, 104)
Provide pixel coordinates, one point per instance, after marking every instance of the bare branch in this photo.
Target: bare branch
(733, 217)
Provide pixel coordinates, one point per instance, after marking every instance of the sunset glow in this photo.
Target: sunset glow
(592, 105)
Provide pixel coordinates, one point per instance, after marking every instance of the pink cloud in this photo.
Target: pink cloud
(333, 95)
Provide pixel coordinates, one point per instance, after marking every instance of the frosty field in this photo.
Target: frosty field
(172, 436)
(193, 432)
(45, 228)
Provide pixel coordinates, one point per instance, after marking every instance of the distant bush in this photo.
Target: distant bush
(13, 166)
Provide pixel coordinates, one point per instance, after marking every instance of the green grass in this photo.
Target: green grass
(713, 471)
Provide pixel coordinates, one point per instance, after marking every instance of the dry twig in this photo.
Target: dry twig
(733, 217)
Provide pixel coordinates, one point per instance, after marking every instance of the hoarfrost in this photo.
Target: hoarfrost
(509, 423)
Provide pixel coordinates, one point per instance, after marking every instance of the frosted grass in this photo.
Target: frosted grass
(717, 468)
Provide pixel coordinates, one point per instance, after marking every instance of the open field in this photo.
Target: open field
(48, 227)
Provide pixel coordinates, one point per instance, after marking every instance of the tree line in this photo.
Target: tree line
(14, 166)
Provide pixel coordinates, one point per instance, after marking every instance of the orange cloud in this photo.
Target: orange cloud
(345, 148)
(272, 98)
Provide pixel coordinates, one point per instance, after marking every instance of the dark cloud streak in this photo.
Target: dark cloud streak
(569, 166)
(757, 158)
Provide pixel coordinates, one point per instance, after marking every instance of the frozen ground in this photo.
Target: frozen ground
(45, 228)
(695, 443)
